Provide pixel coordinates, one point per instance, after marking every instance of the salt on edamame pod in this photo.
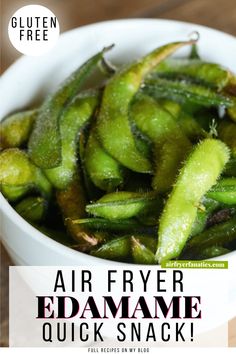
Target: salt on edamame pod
(217, 235)
(113, 126)
(227, 133)
(104, 171)
(32, 209)
(45, 140)
(185, 92)
(224, 191)
(72, 203)
(194, 180)
(16, 128)
(72, 120)
(17, 170)
(140, 253)
(116, 249)
(198, 70)
(170, 145)
(123, 205)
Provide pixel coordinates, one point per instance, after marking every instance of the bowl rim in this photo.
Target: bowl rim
(34, 233)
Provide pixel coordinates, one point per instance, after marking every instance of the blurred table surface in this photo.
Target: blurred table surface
(219, 14)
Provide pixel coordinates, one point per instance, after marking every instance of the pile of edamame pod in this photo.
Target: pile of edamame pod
(139, 167)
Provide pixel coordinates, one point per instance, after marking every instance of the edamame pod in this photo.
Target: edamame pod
(232, 110)
(217, 235)
(16, 128)
(116, 249)
(191, 128)
(224, 191)
(32, 209)
(113, 126)
(140, 253)
(170, 145)
(72, 203)
(112, 225)
(194, 54)
(195, 179)
(198, 70)
(56, 235)
(189, 125)
(13, 193)
(185, 92)
(227, 133)
(72, 120)
(230, 168)
(17, 170)
(206, 207)
(105, 172)
(208, 252)
(45, 140)
(123, 205)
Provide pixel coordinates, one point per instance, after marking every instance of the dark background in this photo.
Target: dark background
(219, 14)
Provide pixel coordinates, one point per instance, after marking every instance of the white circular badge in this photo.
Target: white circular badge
(33, 30)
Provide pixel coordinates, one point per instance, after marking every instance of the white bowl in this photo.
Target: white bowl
(29, 79)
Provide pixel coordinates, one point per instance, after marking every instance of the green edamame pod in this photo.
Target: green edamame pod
(45, 140)
(148, 241)
(13, 193)
(227, 133)
(17, 170)
(190, 126)
(170, 145)
(194, 54)
(217, 235)
(185, 92)
(205, 209)
(72, 120)
(224, 191)
(113, 125)
(194, 180)
(213, 251)
(232, 110)
(172, 107)
(32, 209)
(198, 70)
(72, 203)
(16, 128)
(56, 235)
(140, 253)
(123, 205)
(231, 87)
(112, 225)
(208, 252)
(230, 168)
(116, 249)
(105, 172)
